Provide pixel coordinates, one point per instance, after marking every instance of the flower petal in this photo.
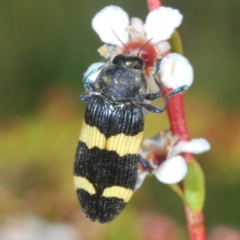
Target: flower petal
(172, 170)
(196, 146)
(109, 19)
(176, 71)
(91, 74)
(151, 84)
(136, 29)
(161, 23)
(163, 47)
(140, 178)
(159, 141)
(109, 51)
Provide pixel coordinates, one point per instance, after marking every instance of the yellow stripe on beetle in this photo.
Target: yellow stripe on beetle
(84, 184)
(118, 192)
(121, 143)
(92, 137)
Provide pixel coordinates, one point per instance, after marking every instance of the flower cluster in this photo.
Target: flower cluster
(163, 155)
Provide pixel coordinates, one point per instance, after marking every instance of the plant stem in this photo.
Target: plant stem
(195, 223)
(176, 115)
(178, 125)
(153, 4)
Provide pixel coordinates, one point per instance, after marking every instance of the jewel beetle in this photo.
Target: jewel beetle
(107, 155)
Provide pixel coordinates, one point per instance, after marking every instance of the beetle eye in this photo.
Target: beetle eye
(119, 59)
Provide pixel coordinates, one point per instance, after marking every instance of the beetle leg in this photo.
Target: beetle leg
(85, 96)
(155, 109)
(145, 164)
(150, 107)
(153, 96)
(155, 72)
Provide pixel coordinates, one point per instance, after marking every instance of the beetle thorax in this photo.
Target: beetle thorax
(121, 84)
(123, 80)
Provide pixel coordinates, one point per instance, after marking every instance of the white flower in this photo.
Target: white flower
(165, 20)
(174, 168)
(195, 146)
(176, 71)
(159, 24)
(109, 19)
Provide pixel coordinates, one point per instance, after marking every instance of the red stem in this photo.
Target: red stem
(196, 226)
(153, 4)
(177, 119)
(178, 125)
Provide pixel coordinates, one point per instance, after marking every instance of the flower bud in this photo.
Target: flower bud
(176, 71)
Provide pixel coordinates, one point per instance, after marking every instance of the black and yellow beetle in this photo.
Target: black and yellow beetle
(107, 156)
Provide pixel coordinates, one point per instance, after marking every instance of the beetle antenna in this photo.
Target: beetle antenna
(120, 41)
(143, 46)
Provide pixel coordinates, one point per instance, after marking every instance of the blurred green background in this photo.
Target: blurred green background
(45, 47)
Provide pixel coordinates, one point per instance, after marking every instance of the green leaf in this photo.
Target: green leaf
(176, 43)
(194, 187)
